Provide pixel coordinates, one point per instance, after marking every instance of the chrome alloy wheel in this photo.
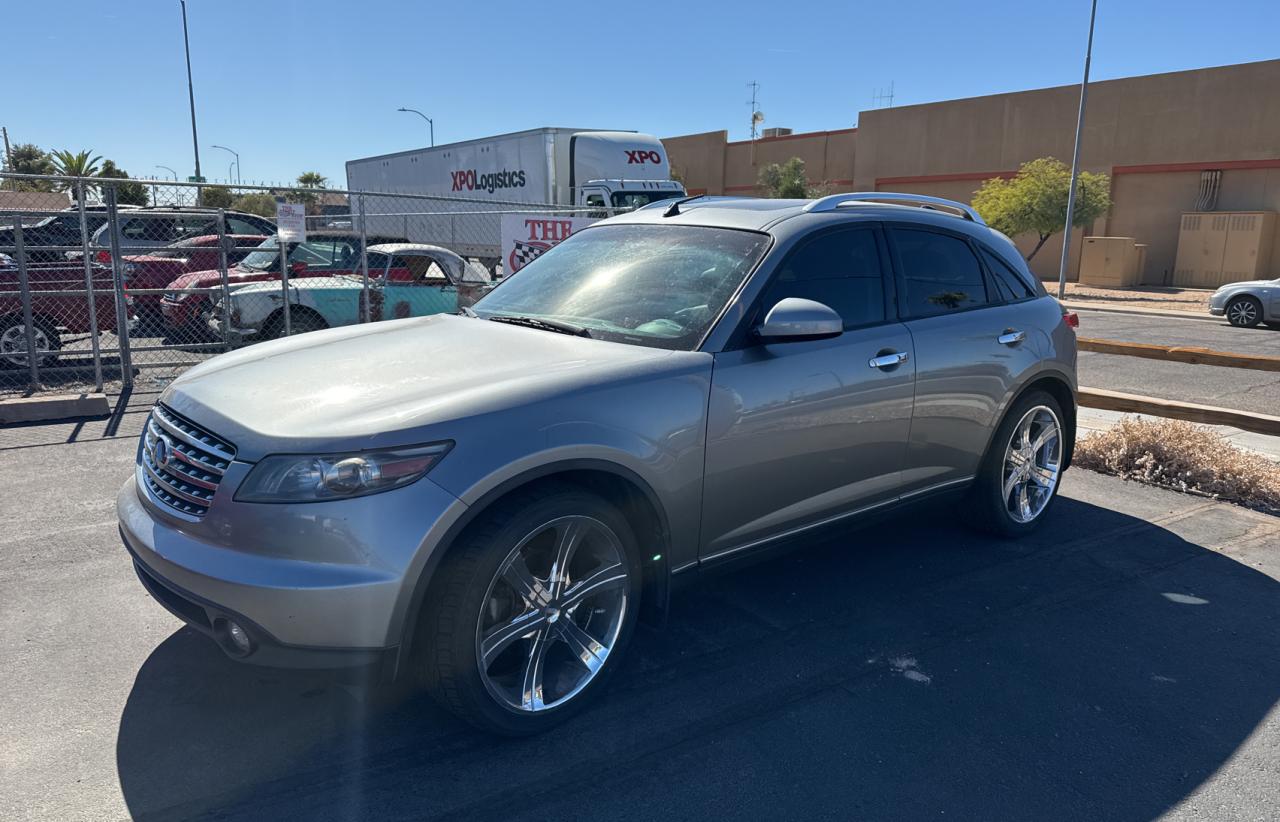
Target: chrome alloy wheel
(1032, 464)
(13, 344)
(1243, 313)
(552, 614)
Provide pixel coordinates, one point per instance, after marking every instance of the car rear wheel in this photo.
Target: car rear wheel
(1244, 312)
(13, 342)
(531, 610)
(1020, 474)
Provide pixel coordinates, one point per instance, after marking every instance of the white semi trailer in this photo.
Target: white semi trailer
(555, 166)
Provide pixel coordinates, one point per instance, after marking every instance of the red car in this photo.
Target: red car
(190, 298)
(146, 275)
(59, 306)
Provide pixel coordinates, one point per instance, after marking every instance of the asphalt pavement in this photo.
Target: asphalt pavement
(1207, 384)
(1122, 663)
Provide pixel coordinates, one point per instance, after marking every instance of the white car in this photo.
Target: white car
(415, 281)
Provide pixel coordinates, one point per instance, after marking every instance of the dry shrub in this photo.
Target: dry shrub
(1185, 457)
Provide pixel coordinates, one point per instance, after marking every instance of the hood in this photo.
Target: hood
(1248, 284)
(324, 283)
(398, 382)
(197, 279)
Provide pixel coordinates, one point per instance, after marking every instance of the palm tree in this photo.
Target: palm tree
(309, 179)
(75, 164)
(312, 179)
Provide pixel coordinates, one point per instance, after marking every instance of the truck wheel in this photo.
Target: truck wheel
(531, 610)
(13, 342)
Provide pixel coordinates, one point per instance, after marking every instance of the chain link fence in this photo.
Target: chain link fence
(138, 280)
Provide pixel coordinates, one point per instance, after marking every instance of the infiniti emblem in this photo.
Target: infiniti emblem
(162, 451)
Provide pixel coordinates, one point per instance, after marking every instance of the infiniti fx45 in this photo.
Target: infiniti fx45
(489, 501)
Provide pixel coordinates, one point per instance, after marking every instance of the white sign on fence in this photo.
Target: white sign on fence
(291, 221)
(526, 236)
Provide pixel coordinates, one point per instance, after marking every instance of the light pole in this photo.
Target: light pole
(430, 122)
(236, 154)
(1075, 160)
(191, 97)
(171, 171)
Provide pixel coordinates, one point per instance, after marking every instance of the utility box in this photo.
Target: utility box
(1111, 262)
(1216, 248)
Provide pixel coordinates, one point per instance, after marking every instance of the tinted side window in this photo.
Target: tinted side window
(941, 273)
(237, 225)
(840, 270)
(1009, 284)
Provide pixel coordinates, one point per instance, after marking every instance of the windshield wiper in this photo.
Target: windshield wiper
(558, 326)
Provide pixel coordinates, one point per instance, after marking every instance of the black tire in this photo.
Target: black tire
(12, 322)
(985, 507)
(448, 659)
(1244, 312)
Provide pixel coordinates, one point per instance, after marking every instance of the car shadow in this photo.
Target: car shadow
(1103, 668)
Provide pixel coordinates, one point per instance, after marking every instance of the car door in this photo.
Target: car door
(804, 432)
(427, 291)
(971, 346)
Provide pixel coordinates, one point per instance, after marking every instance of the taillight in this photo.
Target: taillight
(1071, 318)
(104, 257)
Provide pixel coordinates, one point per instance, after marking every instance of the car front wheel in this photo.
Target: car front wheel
(531, 610)
(1244, 312)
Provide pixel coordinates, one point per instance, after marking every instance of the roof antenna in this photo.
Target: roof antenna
(674, 209)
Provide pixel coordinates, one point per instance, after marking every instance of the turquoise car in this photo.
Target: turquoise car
(414, 280)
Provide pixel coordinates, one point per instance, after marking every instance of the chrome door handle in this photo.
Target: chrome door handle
(888, 360)
(1011, 337)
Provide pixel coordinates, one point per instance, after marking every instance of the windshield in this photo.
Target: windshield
(635, 199)
(267, 255)
(654, 285)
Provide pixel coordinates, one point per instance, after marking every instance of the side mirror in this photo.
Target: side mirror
(297, 268)
(795, 319)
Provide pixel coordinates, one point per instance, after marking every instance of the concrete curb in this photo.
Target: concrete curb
(1173, 409)
(58, 407)
(1144, 312)
(1192, 355)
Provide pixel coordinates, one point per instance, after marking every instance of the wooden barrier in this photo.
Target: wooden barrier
(1173, 409)
(1180, 353)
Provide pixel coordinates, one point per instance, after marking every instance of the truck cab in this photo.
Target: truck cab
(618, 170)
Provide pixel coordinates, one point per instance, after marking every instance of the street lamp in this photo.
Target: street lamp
(430, 122)
(236, 154)
(191, 97)
(1075, 159)
(171, 171)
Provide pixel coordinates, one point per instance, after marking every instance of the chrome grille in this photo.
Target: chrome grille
(182, 463)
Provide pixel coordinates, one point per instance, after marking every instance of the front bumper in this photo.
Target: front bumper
(1217, 311)
(315, 585)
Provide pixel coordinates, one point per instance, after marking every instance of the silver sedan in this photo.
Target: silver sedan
(1245, 304)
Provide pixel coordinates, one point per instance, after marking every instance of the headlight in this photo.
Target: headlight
(303, 478)
(130, 269)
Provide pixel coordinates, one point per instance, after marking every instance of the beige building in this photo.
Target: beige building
(1154, 135)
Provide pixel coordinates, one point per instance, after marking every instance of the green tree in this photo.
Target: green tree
(126, 193)
(788, 181)
(75, 164)
(257, 202)
(1035, 200)
(219, 197)
(28, 158)
(312, 179)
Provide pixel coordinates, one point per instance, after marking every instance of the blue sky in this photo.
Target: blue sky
(295, 85)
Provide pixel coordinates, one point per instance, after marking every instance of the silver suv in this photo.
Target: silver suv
(491, 500)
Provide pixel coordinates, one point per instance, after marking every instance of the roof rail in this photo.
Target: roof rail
(834, 201)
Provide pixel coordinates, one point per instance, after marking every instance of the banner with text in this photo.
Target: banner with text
(526, 236)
